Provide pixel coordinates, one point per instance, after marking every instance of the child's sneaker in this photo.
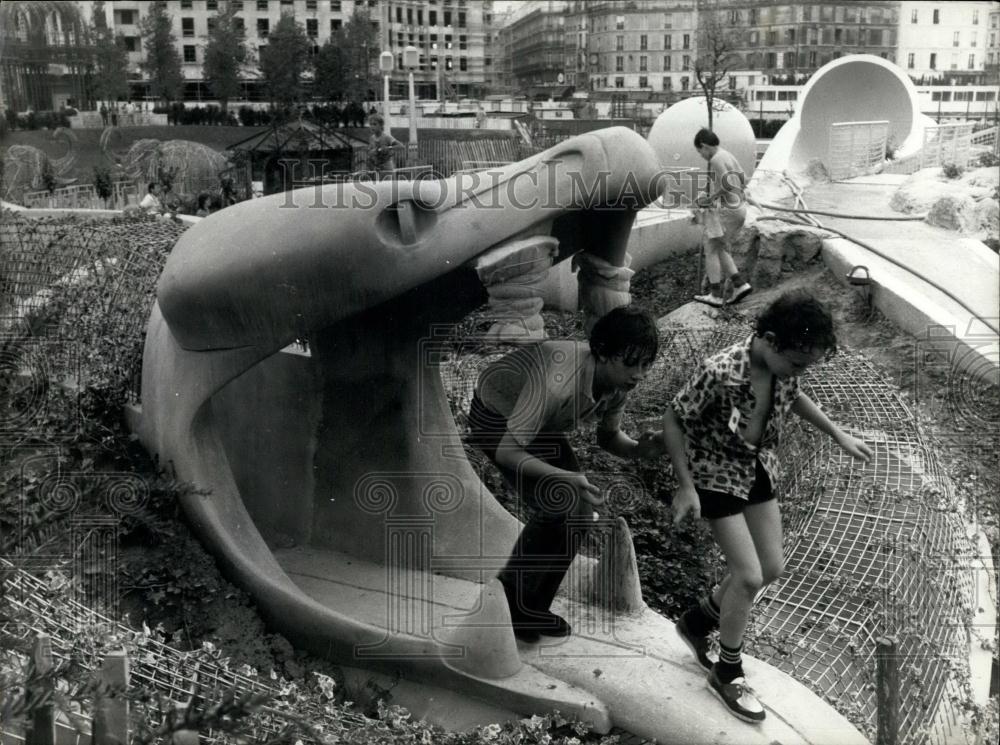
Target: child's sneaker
(710, 299)
(698, 645)
(740, 292)
(737, 698)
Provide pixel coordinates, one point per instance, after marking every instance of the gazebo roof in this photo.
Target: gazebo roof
(298, 135)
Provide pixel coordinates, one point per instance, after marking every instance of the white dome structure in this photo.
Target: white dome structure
(672, 134)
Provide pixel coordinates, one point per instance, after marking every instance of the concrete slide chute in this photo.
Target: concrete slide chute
(333, 485)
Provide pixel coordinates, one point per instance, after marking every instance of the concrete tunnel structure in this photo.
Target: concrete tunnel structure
(334, 487)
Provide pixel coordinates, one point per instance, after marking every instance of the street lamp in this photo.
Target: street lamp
(385, 64)
(411, 58)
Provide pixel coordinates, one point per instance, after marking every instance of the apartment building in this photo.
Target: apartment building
(645, 46)
(993, 44)
(534, 40)
(945, 41)
(449, 34)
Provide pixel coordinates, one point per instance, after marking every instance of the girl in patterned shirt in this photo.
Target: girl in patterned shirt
(721, 431)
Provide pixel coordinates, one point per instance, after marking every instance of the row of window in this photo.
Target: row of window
(335, 5)
(963, 95)
(915, 16)
(850, 13)
(911, 61)
(190, 55)
(421, 41)
(432, 17)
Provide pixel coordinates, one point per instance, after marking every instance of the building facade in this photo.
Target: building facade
(449, 34)
(993, 44)
(944, 41)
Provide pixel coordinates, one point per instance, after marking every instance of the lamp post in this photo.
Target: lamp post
(411, 58)
(385, 64)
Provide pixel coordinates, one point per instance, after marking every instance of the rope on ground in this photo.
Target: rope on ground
(891, 260)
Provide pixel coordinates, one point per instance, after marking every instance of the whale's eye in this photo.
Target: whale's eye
(405, 222)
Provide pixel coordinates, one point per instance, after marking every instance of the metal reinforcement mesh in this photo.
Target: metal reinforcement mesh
(32, 605)
(76, 292)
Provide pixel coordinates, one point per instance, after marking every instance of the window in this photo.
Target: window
(933, 62)
(875, 37)
(687, 41)
(312, 27)
(789, 60)
(131, 43)
(620, 23)
(789, 35)
(913, 16)
(643, 65)
(668, 20)
(125, 17)
(937, 16)
(753, 16)
(462, 42)
(643, 42)
(449, 63)
(972, 62)
(974, 40)
(335, 24)
(187, 26)
(666, 62)
(461, 19)
(619, 64)
(619, 43)
(240, 26)
(447, 18)
(186, 4)
(210, 22)
(420, 16)
(993, 39)
(236, 4)
(643, 81)
(812, 59)
(619, 82)
(190, 53)
(955, 38)
(310, 4)
(261, 4)
(975, 17)
(954, 62)
(432, 18)
(335, 6)
(838, 35)
(263, 27)
(463, 63)
(409, 16)
(399, 14)
(911, 61)
(668, 41)
(687, 62)
(684, 84)
(211, 4)
(667, 83)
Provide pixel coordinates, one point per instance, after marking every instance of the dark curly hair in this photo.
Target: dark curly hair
(799, 322)
(627, 332)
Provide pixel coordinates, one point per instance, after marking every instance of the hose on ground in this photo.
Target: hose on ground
(903, 218)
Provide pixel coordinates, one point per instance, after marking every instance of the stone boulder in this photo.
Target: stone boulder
(766, 248)
(966, 204)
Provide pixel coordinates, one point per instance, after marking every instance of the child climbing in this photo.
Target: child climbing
(724, 211)
(524, 406)
(722, 431)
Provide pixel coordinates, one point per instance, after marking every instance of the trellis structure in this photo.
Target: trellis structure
(856, 148)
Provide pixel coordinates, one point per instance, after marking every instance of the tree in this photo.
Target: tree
(226, 57)
(361, 51)
(162, 63)
(333, 68)
(715, 58)
(109, 71)
(284, 60)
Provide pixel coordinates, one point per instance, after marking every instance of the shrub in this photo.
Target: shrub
(952, 171)
(988, 160)
(102, 182)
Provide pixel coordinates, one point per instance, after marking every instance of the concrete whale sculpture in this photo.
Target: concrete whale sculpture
(334, 487)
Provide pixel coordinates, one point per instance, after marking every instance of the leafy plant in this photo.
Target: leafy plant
(952, 171)
(102, 183)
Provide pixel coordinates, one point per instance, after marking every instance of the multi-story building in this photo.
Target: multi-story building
(944, 41)
(993, 44)
(449, 34)
(646, 46)
(792, 40)
(535, 39)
